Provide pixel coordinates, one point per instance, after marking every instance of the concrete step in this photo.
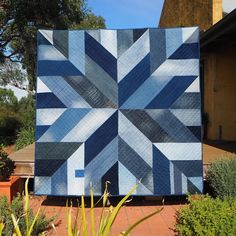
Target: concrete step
(24, 169)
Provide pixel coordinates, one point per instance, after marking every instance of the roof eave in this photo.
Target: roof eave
(225, 25)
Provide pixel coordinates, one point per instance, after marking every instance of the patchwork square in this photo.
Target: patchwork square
(118, 106)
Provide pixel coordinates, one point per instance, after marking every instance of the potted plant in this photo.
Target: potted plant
(9, 185)
(7, 165)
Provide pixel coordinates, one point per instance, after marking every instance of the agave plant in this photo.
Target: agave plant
(29, 227)
(107, 217)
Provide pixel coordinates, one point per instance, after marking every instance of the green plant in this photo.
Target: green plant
(24, 138)
(222, 177)
(7, 165)
(207, 216)
(107, 217)
(26, 110)
(18, 217)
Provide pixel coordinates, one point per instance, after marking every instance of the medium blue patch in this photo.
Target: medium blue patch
(130, 83)
(171, 92)
(49, 100)
(186, 51)
(79, 173)
(101, 56)
(65, 123)
(59, 181)
(57, 68)
(173, 40)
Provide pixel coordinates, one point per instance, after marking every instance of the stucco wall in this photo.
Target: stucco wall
(220, 92)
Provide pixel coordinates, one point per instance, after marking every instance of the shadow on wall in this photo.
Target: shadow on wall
(229, 146)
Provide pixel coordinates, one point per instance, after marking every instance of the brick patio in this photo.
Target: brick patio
(160, 224)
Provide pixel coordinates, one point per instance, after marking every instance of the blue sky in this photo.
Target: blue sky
(123, 14)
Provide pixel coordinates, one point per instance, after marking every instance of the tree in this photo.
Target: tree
(20, 20)
(12, 74)
(17, 119)
(91, 22)
(9, 118)
(8, 98)
(26, 110)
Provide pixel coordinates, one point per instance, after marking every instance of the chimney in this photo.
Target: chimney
(202, 13)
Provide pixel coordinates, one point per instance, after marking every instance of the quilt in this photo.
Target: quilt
(122, 106)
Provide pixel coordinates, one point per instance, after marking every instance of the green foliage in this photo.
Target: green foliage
(25, 137)
(9, 124)
(17, 208)
(222, 177)
(9, 118)
(17, 119)
(20, 20)
(207, 216)
(91, 22)
(26, 110)
(7, 165)
(8, 98)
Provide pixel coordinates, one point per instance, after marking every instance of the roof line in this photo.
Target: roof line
(220, 28)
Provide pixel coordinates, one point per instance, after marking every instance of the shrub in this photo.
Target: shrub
(7, 165)
(24, 216)
(222, 178)
(9, 124)
(24, 138)
(207, 216)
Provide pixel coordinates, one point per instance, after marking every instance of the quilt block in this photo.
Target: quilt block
(118, 106)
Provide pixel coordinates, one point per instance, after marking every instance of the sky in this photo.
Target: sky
(19, 93)
(123, 14)
(229, 5)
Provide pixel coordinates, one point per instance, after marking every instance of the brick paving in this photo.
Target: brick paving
(161, 224)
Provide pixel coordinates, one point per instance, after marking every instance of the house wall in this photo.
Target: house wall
(202, 13)
(220, 92)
